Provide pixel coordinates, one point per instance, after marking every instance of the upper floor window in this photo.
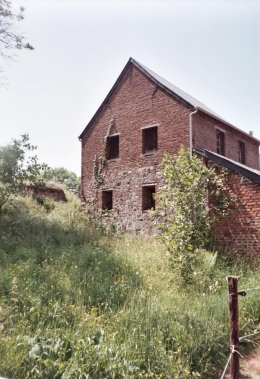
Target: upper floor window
(220, 142)
(112, 147)
(149, 139)
(241, 152)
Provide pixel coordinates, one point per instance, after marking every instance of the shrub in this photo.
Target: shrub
(18, 167)
(193, 196)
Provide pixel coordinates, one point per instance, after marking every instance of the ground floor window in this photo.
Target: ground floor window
(148, 200)
(107, 200)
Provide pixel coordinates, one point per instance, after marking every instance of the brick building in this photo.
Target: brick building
(142, 117)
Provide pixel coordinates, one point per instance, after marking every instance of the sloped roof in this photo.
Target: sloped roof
(172, 90)
(248, 172)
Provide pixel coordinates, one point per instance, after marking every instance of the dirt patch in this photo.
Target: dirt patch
(250, 367)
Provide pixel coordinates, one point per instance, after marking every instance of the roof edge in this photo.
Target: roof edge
(169, 91)
(247, 172)
(149, 76)
(107, 97)
(228, 124)
(160, 85)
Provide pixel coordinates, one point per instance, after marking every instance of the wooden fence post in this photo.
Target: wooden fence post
(233, 325)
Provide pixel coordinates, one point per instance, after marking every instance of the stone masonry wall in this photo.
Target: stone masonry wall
(55, 194)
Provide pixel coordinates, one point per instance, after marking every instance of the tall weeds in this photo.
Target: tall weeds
(78, 303)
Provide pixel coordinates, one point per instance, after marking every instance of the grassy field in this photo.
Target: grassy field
(76, 302)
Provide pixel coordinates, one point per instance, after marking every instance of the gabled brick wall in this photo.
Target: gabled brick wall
(136, 102)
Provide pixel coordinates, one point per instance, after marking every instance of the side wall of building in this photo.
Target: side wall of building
(136, 103)
(240, 232)
(204, 136)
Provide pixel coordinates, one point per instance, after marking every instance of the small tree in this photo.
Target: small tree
(18, 167)
(189, 203)
(63, 176)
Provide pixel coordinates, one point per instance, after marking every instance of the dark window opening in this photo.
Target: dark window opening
(220, 136)
(150, 143)
(112, 147)
(242, 152)
(148, 198)
(107, 200)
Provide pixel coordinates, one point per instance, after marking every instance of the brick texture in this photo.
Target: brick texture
(136, 103)
(204, 136)
(240, 232)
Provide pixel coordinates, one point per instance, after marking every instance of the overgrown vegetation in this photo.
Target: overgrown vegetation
(18, 166)
(76, 302)
(191, 200)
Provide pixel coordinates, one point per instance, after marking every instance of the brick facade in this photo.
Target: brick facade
(204, 136)
(240, 232)
(136, 103)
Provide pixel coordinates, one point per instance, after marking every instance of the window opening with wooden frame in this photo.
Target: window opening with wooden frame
(112, 147)
(149, 139)
(107, 200)
(220, 142)
(148, 200)
(241, 152)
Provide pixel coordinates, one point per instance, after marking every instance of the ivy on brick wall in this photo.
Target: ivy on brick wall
(100, 161)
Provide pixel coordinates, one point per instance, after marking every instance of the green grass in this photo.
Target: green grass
(76, 302)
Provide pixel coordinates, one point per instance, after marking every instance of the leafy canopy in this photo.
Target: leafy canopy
(10, 37)
(191, 200)
(18, 167)
(63, 176)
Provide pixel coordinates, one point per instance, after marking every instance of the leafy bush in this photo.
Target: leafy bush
(63, 176)
(18, 167)
(193, 196)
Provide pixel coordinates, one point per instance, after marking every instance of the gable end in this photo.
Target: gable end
(130, 62)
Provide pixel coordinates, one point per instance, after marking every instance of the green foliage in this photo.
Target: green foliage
(192, 198)
(44, 201)
(11, 39)
(63, 176)
(18, 167)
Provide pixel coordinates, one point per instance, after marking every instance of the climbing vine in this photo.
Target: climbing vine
(100, 162)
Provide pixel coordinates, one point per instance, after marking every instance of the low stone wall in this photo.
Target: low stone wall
(55, 194)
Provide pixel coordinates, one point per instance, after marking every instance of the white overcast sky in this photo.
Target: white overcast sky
(210, 49)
